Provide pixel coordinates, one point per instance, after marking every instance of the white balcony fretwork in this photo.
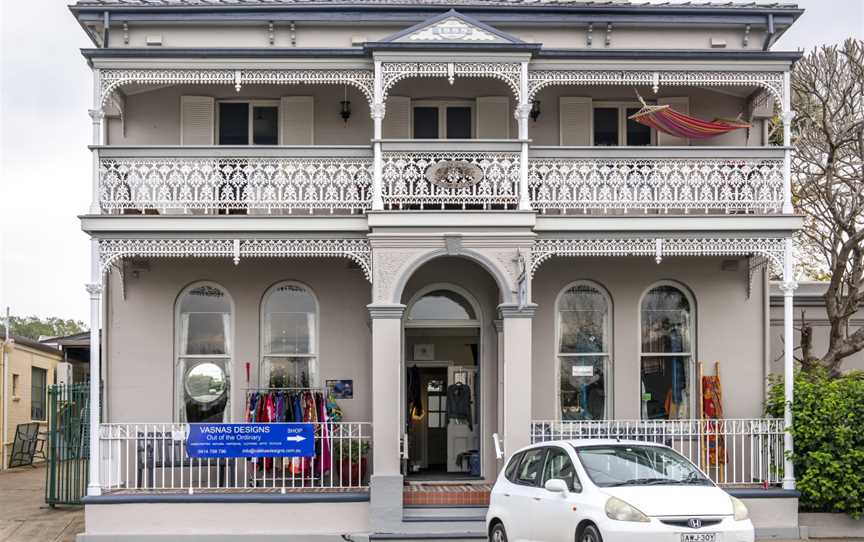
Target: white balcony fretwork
(450, 175)
(662, 179)
(178, 180)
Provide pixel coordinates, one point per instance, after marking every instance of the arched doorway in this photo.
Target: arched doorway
(443, 383)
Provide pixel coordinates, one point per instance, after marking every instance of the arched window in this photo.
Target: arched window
(667, 325)
(203, 364)
(289, 336)
(584, 365)
(442, 305)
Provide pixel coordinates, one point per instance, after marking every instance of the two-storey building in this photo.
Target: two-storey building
(433, 229)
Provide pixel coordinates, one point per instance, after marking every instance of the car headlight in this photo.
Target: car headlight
(621, 511)
(739, 509)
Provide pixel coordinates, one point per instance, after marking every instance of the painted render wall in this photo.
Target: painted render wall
(729, 326)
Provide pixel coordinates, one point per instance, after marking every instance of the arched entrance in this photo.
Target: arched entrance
(449, 371)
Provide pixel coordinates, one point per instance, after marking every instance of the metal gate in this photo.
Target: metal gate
(68, 444)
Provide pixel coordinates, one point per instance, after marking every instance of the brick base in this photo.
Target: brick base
(446, 494)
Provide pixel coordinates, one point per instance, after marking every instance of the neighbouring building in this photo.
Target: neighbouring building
(75, 350)
(25, 398)
(446, 221)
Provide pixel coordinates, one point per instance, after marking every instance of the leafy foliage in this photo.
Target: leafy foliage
(34, 327)
(828, 417)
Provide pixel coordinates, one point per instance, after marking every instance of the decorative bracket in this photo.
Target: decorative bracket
(509, 72)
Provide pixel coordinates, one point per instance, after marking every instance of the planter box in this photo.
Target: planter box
(353, 474)
(823, 525)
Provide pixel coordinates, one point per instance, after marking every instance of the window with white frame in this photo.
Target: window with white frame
(203, 364)
(666, 321)
(38, 393)
(584, 365)
(443, 119)
(248, 122)
(289, 335)
(613, 128)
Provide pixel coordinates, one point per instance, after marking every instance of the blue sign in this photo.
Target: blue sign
(214, 440)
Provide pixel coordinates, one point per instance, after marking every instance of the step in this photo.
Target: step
(427, 537)
(444, 510)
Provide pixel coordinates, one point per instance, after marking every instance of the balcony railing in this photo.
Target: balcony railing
(152, 458)
(660, 179)
(435, 174)
(257, 180)
(732, 452)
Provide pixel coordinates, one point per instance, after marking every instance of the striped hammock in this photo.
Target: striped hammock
(665, 119)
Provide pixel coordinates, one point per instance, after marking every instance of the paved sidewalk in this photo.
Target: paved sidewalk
(24, 516)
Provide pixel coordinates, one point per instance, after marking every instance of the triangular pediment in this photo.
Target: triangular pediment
(452, 27)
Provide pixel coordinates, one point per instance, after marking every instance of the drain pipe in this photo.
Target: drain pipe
(6, 392)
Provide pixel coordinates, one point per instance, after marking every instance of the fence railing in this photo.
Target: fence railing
(152, 457)
(68, 443)
(447, 175)
(732, 452)
(229, 180)
(659, 179)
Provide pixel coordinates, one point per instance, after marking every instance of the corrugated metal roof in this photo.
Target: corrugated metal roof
(423, 3)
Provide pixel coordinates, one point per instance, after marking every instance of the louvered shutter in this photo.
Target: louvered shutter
(493, 117)
(196, 120)
(297, 120)
(397, 119)
(576, 120)
(682, 105)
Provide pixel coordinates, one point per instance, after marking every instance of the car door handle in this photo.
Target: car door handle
(506, 494)
(537, 499)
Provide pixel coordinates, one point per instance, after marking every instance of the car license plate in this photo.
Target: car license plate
(699, 537)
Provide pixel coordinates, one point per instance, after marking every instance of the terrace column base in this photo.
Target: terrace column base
(385, 502)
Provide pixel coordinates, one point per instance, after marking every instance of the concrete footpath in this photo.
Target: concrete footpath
(24, 516)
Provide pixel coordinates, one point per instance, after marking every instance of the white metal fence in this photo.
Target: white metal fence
(732, 452)
(152, 457)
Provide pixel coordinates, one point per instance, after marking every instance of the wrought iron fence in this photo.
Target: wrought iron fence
(732, 452)
(152, 457)
(68, 444)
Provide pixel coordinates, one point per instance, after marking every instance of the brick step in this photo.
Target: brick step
(446, 494)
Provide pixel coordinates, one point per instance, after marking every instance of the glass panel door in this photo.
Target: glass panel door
(606, 126)
(458, 123)
(425, 123)
(233, 123)
(265, 125)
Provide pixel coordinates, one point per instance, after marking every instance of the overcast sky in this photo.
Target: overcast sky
(45, 91)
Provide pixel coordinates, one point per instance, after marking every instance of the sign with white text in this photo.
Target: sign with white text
(214, 440)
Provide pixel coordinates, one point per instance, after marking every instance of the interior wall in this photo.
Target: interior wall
(141, 330)
(729, 326)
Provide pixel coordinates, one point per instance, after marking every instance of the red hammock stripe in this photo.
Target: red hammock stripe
(665, 119)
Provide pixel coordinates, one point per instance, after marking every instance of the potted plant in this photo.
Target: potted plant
(351, 456)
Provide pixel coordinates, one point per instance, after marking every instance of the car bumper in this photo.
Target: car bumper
(728, 530)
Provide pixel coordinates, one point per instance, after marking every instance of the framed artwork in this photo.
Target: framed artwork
(341, 389)
(424, 352)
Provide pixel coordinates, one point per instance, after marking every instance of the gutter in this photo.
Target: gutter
(771, 33)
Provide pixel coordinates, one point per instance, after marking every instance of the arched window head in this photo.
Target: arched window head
(442, 305)
(203, 363)
(666, 327)
(584, 363)
(289, 324)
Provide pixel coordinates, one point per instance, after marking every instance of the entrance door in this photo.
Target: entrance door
(463, 436)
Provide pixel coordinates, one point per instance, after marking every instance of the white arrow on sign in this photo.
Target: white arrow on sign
(297, 438)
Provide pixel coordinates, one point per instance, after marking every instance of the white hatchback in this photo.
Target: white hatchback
(610, 491)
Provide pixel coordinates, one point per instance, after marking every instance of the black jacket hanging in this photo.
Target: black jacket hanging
(459, 404)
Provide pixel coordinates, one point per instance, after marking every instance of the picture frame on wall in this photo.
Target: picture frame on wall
(424, 352)
(341, 389)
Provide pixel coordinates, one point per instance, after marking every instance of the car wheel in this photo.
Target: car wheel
(498, 533)
(590, 534)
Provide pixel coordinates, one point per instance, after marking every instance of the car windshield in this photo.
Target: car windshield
(635, 465)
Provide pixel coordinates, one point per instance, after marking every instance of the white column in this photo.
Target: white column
(517, 375)
(786, 116)
(789, 285)
(378, 110)
(94, 288)
(386, 379)
(522, 112)
(96, 116)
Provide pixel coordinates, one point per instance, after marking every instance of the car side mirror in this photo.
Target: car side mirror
(556, 485)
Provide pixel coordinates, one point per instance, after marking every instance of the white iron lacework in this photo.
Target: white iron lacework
(405, 181)
(112, 251)
(768, 80)
(178, 184)
(509, 72)
(770, 248)
(113, 78)
(701, 184)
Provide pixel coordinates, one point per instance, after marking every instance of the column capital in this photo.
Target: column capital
(385, 311)
(94, 289)
(96, 114)
(788, 287)
(378, 110)
(499, 325)
(522, 111)
(787, 116)
(512, 310)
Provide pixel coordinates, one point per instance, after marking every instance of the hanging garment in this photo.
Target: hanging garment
(415, 394)
(459, 404)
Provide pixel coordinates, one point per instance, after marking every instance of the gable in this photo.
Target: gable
(452, 27)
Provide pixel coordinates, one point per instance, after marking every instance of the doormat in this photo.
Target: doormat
(446, 494)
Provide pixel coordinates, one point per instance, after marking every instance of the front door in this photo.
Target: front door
(463, 436)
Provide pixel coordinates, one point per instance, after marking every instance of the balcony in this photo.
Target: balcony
(439, 174)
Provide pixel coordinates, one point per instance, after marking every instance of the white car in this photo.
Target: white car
(610, 491)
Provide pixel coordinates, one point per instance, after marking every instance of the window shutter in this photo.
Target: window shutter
(297, 120)
(397, 119)
(576, 121)
(682, 105)
(493, 117)
(196, 120)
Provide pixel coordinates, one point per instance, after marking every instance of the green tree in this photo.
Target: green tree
(34, 327)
